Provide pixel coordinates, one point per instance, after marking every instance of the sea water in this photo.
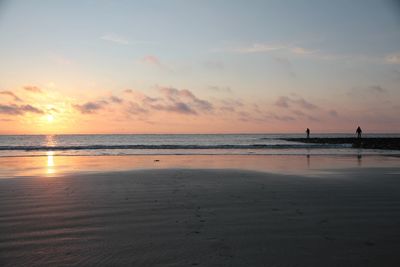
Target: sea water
(175, 144)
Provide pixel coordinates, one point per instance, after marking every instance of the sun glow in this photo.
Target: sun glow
(50, 118)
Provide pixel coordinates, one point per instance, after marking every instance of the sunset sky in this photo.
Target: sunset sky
(199, 66)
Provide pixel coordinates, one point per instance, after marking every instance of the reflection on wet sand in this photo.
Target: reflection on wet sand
(53, 165)
(50, 141)
(50, 162)
(359, 158)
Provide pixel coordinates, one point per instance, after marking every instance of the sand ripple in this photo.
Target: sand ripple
(201, 217)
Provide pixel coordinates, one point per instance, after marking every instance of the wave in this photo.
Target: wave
(166, 147)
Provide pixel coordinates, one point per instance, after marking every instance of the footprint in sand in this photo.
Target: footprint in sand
(323, 221)
(369, 243)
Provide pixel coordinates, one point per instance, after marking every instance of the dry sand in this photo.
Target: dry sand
(202, 217)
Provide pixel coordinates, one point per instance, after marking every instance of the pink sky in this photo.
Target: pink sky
(35, 110)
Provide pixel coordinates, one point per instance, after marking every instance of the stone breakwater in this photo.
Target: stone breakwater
(389, 143)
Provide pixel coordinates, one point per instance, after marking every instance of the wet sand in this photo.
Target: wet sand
(189, 217)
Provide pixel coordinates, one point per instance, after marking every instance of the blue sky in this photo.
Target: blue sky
(338, 55)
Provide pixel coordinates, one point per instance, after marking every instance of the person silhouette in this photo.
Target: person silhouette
(358, 131)
(308, 133)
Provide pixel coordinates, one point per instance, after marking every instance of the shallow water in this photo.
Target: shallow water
(310, 165)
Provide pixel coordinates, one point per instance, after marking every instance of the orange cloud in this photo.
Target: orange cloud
(11, 94)
(32, 89)
(90, 107)
(19, 110)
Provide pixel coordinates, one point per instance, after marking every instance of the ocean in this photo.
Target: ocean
(175, 144)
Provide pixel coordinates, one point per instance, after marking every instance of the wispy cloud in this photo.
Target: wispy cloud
(268, 47)
(12, 95)
(283, 102)
(222, 89)
(285, 118)
(134, 102)
(230, 105)
(393, 58)
(300, 114)
(151, 60)
(184, 101)
(19, 109)
(333, 113)
(214, 65)
(304, 103)
(115, 99)
(177, 107)
(300, 50)
(136, 109)
(258, 48)
(154, 61)
(32, 89)
(296, 50)
(90, 107)
(115, 38)
(286, 65)
(227, 109)
(372, 91)
(376, 89)
(121, 40)
(286, 102)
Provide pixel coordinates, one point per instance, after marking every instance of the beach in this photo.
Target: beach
(203, 217)
(200, 133)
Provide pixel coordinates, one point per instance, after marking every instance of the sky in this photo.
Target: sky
(185, 66)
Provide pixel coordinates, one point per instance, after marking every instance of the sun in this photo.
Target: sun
(50, 118)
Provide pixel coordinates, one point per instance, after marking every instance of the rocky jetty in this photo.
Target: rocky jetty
(387, 143)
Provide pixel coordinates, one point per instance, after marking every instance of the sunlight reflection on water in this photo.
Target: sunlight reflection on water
(50, 141)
